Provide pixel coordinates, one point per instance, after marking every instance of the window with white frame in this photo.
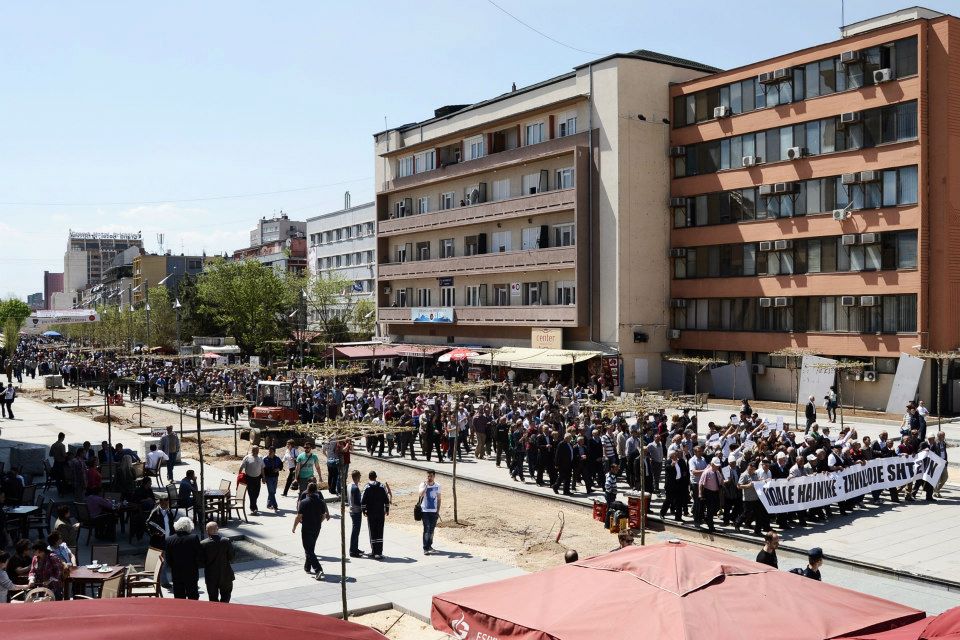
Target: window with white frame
(564, 235)
(501, 295)
(423, 204)
(475, 294)
(401, 252)
(401, 297)
(501, 189)
(423, 297)
(446, 200)
(566, 292)
(405, 166)
(370, 257)
(348, 231)
(338, 261)
(476, 148)
(566, 125)
(530, 238)
(535, 133)
(531, 293)
(565, 178)
(531, 183)
(338, 234)
(501, 241)
(424, 161)
(448, 297)
(446, 248)
(423, 250)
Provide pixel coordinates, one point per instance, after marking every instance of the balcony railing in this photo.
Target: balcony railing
(540, 315)
(532, 260)
(541, 203)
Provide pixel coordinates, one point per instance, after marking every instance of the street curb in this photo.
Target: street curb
(949, 585)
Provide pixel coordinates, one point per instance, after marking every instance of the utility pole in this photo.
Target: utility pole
(146, 299)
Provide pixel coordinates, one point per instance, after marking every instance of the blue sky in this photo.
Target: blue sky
(127, 116)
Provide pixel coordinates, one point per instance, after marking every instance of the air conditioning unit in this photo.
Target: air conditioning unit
(869, 238)
(678, 253)
(766, 245)
(784, 187)
(678, 303)
(849, 57)
(849, 178)
(678, 152)
(848, 301)
(721, 112)
(765, 190)
(840, 214)
(766, 302)
(765, 78)
(782, 74)
(782, 301)
(869, 301)
(850, 117)
(678, 203)
(869, 176)
(387, 290)
(780, 245)
(759, 369)
(795, 153)
(750, 161)
(674, 334)
(882, 75)
(869, 376)
(848, 239)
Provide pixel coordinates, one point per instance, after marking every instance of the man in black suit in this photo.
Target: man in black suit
(217, 572)
(564, 462)
(780, 470)
(677, 480)
(183, 555)
(810, 413)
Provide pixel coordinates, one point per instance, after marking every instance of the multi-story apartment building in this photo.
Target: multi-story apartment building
(167, 268)
(343, 244)
(541, 208)
(275, 229)
(279, 242)
(52, 284)
(88, 257)
(814, 204)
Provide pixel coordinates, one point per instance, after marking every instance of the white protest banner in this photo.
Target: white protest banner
(821, 489)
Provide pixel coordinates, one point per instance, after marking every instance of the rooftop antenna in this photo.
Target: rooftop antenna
(346, 200)
(160, 242)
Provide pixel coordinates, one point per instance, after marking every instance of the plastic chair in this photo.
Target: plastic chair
(111, 588)
(224, 485)
(238, 503)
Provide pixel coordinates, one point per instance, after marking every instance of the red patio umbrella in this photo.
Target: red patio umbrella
(669, 591)
(458, 354)
(163, 618)
(945, 626)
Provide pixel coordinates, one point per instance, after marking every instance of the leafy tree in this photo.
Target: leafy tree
(194, 321)
(364, 319)
(326, 296)
(15, 309)
(249, 300)
(163, 318)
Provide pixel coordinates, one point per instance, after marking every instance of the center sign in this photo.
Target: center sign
(542, 338)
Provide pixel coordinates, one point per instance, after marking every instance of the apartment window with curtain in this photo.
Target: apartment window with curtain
(446, 248)
(424, 161)
(423, 204)
(446, 200)
(565, 178)
(501, 295)
(566, 292)
(405, 166)
(501, 241)
(566, 125)
(535, 133)
(476, 148)
(564, 235)
(501, 189)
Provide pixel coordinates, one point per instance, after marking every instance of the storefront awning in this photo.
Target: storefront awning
(528, 358)
(364, 352)
(419, 351)
(224, 350)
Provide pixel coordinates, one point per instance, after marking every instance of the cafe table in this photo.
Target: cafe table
(79, 578)
(21, 513)
(218, 499)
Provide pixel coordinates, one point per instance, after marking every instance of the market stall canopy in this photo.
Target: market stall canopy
(224, 350)
(529, 358)
(52, 334)
(677, 586)
(367, 352)
(157, 618)
(418, 351)
(945, 626)
(458, 354)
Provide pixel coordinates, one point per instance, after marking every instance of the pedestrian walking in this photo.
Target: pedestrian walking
(810, 413)
(290, 463)
(58, 451)
(252, 468)
(217, 571)
(375, 504)
(183, 555)
(170, 445)
(271, 476)
(430, 509)
(9, 395)
(768, 554)
(311, 513)
(354, 497)
(307, 464)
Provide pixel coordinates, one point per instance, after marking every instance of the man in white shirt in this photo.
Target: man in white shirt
(155, 458)
(252, 467)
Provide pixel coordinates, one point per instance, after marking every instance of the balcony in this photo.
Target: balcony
(530, 153)
(529, 260)
(524, 206)
(532, 315)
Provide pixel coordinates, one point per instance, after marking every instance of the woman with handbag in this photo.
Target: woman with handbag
(428, 508)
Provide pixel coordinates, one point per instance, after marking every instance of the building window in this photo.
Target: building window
(501, 241)
(564, 235)
(348, 232)
(534, 183)
(530, 238)
(423, 204)
(564, 178)
(476, 148)
(501, 189)
(501, 295)
(423, 251)
(534, 133)
(339, 235)
(402, 252)
(566, 126)
(401, 298)
(370, 257)
(476, 294)
(534, 293)
(448, 297)
(423, 297)
(424, 161)
(566, 292)
(348, 259)
(446, 248)
(405, 166)
(446, 200)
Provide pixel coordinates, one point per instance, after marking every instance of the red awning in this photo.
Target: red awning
(366, 352)
(676, 588)
(945, 626)
(159, 618)
(419, 351)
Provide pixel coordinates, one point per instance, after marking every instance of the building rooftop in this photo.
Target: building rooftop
(356, 207)
(638, 54)
(887, 19)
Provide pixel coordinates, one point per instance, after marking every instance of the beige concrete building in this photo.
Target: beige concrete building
(537, 217)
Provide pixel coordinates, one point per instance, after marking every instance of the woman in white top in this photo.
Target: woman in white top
(290, 463)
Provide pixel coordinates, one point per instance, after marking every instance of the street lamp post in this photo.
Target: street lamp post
(146, 300)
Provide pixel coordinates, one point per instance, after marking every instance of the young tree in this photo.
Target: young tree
(163, 318)
(326, 298)
(15, 309)
(364, 319)
(249, 300)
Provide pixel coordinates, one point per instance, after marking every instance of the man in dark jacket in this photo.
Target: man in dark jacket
(217, 572)
(676, 484)
(810, 413)
(183, 555)
(375, 504)
(564, 462)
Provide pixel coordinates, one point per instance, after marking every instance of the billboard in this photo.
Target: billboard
(44, 319)
(432, 315)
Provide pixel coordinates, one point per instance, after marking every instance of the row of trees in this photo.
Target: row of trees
(245, 299)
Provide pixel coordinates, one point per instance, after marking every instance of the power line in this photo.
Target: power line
(178, 200)
(537, 31)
